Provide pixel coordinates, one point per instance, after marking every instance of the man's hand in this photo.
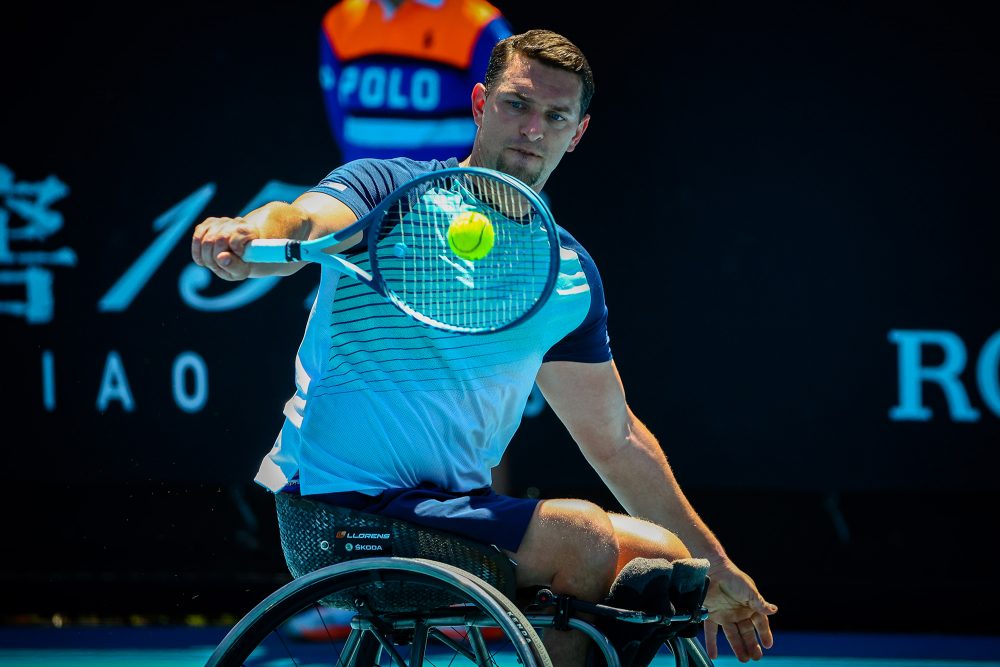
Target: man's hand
(734, 603)
(218, 244)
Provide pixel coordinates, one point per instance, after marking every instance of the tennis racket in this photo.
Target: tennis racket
(413, 265)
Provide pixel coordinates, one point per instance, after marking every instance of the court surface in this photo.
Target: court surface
(188, 647)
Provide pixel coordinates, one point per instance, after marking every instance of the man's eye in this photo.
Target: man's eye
(558, 117)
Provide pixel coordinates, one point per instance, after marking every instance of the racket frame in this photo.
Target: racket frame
(291, 250)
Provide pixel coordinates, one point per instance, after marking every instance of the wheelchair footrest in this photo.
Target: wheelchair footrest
(651, 602)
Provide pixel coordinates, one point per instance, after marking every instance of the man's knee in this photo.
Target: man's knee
(639, 538)
(571, 544)
(594, 538)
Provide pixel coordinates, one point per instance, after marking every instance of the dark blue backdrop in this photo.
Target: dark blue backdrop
(793, 208)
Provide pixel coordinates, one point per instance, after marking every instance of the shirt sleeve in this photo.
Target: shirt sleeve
(361, 185)
(589, 342)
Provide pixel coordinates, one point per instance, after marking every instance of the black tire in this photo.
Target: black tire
(263, 635)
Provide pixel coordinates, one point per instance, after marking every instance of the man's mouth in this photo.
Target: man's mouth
(525, 152)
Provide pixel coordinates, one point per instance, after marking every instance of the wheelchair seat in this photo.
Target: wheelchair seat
(315, 534)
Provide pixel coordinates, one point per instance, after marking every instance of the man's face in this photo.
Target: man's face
(528, 122)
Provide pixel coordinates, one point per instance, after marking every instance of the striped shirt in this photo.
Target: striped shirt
(383, 401)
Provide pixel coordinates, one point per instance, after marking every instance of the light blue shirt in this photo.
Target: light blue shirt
(382, 401)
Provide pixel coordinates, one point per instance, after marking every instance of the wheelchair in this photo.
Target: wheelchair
(378, 592)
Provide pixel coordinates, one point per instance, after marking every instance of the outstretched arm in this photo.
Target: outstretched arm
(590, 400)
(218, 243)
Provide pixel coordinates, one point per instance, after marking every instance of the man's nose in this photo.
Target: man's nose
(532, 128)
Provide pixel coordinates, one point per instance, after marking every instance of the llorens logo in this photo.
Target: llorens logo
(348, 546)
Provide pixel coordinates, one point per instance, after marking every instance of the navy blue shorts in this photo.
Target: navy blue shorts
(482, 514)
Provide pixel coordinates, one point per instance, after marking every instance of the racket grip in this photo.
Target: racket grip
(272, 251)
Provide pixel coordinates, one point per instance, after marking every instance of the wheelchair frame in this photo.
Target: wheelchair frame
(419, 606)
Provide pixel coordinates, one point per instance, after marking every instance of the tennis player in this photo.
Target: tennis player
(392, 417)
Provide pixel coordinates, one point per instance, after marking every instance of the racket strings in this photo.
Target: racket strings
(426, 277)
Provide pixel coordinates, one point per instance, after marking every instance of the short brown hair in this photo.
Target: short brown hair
(549, 48)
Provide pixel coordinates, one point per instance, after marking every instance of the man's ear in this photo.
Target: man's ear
(580, 129)
(478, 103)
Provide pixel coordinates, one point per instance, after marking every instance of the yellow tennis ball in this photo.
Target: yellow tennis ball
(470, 235)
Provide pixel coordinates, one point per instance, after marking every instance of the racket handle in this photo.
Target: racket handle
(272, 251)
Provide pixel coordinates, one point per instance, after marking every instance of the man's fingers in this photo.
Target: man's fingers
(735, 641)
(208, 254)
(743, 638)
(198, 240)
(222, 247)
(231, 267)
(240, 240)
(763, 628)
(748, 633)
(761, 605)
(218, 244)
(225, 260)
(711, 639)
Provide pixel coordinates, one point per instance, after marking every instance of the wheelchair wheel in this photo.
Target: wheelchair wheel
(696, 654)
(688, 652)
(480, 626)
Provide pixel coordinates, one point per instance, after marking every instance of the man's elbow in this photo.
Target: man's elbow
(618, 437)
(605, 444)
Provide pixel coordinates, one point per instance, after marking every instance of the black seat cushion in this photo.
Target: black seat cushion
(315, 534)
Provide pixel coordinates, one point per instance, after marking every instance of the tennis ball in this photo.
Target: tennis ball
(470, 235)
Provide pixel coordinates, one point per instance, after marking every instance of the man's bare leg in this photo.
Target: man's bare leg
(577, 548)
(640, 538)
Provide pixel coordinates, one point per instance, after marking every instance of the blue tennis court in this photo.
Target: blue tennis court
(189, 647)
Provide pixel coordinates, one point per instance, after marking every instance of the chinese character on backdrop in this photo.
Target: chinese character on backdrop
(27, 220)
